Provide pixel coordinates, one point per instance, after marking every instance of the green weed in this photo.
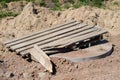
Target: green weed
(116, 3)
(3, 4)
(42, 3)
(78, 4)
(7, 13)
(71, 1)
(57, 5)
(30, 0)
(94, 3)
(7, 1)
(67, 5)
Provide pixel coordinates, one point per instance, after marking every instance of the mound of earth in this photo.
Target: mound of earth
(34, 18)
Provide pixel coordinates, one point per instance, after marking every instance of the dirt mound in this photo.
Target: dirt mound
(105, 18)
(34, 18)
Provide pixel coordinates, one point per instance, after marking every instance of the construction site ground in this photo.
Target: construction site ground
(14, 67)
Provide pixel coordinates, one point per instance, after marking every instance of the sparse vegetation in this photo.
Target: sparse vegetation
(3, 4)
(57, 5)
(71, 1)
(7, 13)
(42, 3)
(66, 6)
(7, 1)
(116, 3)
(30, 0)
(79, 3)
(94, 3)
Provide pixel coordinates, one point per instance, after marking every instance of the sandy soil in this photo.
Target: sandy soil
(33, 18)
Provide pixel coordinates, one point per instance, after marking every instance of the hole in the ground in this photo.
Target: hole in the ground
(79, 45)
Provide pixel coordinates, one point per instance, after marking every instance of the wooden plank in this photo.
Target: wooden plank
(70, 39)
(45, 30)
(60, 40)
(41, 57)
(52, 36)
(57, 42)
(84, 30)
(75, 38)
(42, 34)
(47, 52)
(66, 42)
(84, 37)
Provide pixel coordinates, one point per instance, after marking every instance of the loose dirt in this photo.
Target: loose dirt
(34, 18)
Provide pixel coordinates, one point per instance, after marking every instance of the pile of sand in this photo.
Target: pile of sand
(34, 18)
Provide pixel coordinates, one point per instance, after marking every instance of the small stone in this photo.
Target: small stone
(41, 74)
(70, 69)
(35, 66)
(59, 14)
(9, 74)
(26, 75)
(76, 66)
(63, 61)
